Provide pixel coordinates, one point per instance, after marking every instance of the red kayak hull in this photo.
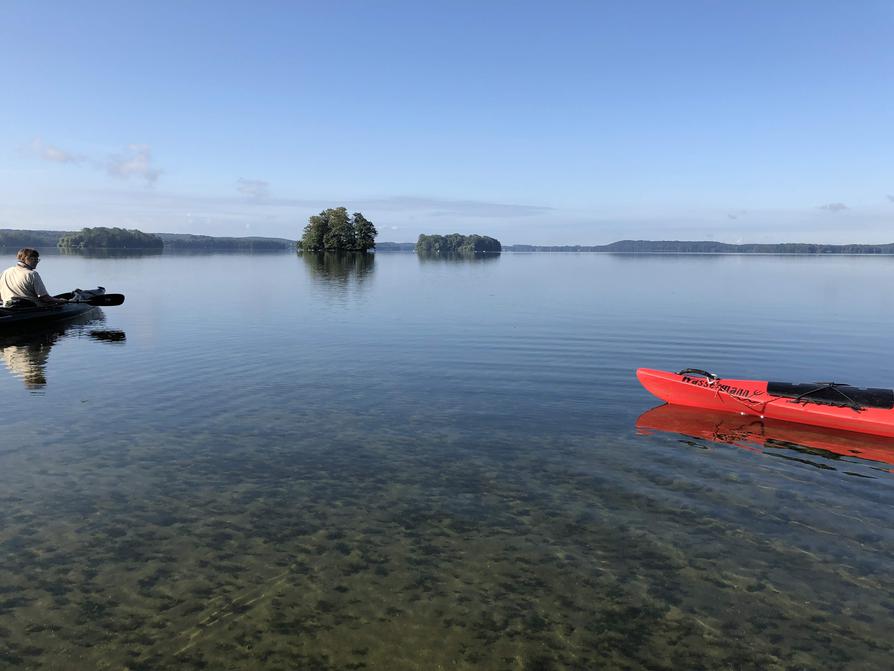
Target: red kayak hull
(750, 397)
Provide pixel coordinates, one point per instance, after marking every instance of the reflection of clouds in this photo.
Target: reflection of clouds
(28, 362)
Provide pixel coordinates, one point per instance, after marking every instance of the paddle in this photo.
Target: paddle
(103, 300)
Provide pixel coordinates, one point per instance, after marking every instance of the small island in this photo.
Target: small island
(332, 230)
(457, 244)
(110, 238)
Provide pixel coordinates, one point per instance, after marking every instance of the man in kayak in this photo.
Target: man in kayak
(22, 282)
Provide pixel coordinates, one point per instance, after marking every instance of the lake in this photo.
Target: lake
(283, 462)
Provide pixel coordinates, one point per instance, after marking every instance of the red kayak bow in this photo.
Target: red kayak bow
(826, 404)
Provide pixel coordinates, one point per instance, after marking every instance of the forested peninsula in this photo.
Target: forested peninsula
(43, 240)
(110, 238)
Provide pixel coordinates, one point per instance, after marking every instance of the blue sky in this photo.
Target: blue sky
(533, 122)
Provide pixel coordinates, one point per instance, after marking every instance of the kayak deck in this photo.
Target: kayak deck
(839, 408)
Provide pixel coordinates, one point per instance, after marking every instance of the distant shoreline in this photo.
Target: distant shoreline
(688, 247)
(17, 238)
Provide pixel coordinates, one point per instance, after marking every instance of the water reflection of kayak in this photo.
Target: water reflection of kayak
(742, 430)
(26, 351)
(825, 404)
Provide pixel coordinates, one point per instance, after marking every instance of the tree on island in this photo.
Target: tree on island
(333, 230)
(457, 244)
(110, 238)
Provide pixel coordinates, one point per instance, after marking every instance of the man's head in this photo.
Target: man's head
(28, 255)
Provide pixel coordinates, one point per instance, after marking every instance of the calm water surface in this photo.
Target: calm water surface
(277, 462)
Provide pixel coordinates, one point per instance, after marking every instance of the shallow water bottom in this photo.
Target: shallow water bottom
(407, 550)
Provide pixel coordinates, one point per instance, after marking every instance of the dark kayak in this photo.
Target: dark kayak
(28, 316)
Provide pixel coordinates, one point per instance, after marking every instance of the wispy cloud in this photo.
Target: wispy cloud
(891, 198)
(441, 207)
(54, 154)
(135, 161)
(833, 207)
(254, 188)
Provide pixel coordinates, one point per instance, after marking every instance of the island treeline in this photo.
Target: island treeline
(333, 230)
(457, 244)
(110, 238)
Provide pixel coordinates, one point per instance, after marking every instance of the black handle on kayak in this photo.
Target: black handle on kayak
(103, 300)
(698, 371)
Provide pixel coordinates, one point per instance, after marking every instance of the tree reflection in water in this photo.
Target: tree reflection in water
(339, 271)
(433, 257)
(26, 354)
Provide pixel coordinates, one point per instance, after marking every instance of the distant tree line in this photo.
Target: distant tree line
(110, 238)
(184, 241)
(707, 247)
(395, 247)
(334, 230)
(456, 244)
(711, 247)
(16, 239)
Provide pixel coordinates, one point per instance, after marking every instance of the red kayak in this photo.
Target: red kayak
(747, 430)
(826, 404)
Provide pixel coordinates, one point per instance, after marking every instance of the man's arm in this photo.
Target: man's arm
(46, 298)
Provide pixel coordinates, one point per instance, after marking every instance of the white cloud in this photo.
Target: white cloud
(833, 207)
(136, 161)
(254, 188)
(891, 198)
(52, 153)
